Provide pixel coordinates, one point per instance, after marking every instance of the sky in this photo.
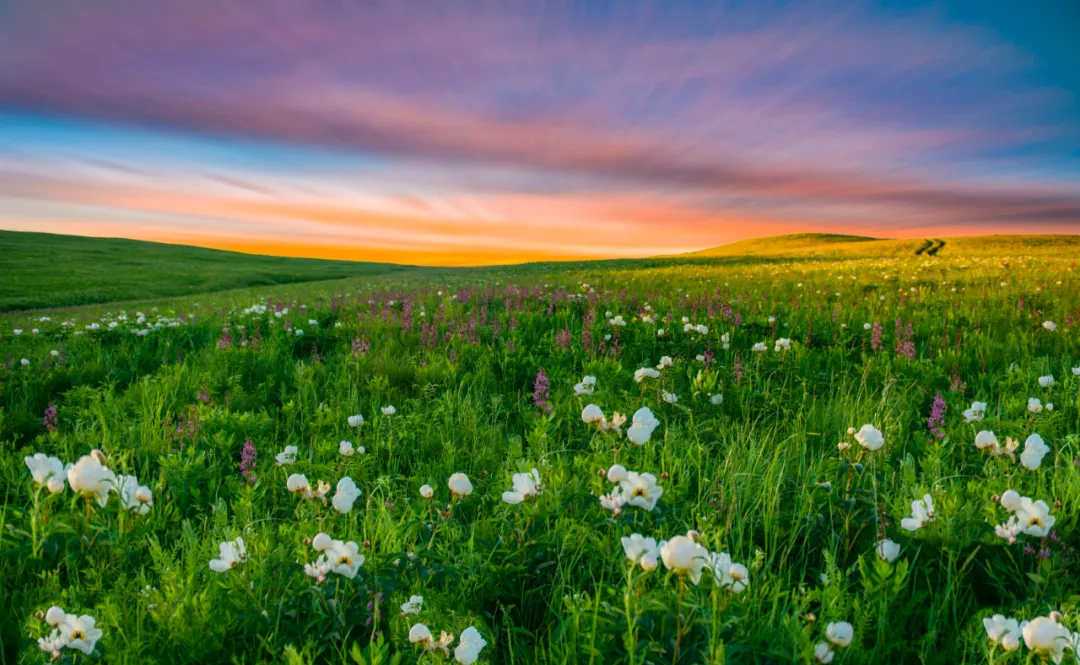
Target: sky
(463, 133)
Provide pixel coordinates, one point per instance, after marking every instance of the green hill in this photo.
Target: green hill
(49, 270)
(827, 245)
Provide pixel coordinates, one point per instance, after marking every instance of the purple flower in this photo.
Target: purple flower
(875, 337)
(937, 417)
(226, 339)
(563, 340)
(247, 461)
(905, 340)
(49, 420)
(540, 392)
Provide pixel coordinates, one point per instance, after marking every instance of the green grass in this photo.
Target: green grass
(45, 270)
(759, 476)
(837, 246)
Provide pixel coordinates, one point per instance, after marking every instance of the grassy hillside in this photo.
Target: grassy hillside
(827, 245)
(48, 270)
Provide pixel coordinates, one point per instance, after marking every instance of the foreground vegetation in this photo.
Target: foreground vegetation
(805, 473)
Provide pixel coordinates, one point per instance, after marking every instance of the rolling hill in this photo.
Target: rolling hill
(826, 245)
(48, 270)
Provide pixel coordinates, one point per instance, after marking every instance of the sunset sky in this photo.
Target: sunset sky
(458, 133)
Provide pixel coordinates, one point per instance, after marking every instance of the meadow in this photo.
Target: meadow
(48, 270)
(825, 456)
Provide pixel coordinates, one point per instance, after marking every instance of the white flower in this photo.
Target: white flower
(420, 634)
(231, 554)
(55, 616)
(641, 551)
(822, 653)
(840, 633)
(24, 362)
(717, 399)
(52, 644)
(728, 574)
(460, 485)
(469, 646)
(975, 413)
(592, 415)
(888, 550)
(297, 482)
(80, 633)
(356, 421)
(1034, 451)
(670, 398)
(1011, 500)
(682, 555)
(642, 426)
(640, 490)
(986, 439)
(1049, 325)
(659, 332)
(90, 478)
(613, 501)
(665, 362)
(336, 557)
(645, 373)
(782, 344)
(47, 471)
(617, 473)
(426, 491)
(525, 485)
(1046, 637)
(134, 496)
(388, 410)
(922, 511)
(299, 332)
(345, 449)
(759, 347)
(870, 437)
(998, 627)
(17, 331)
(1034, 517)
(1035, 405)
(725, 340)
(1076, 371)
(287, 457)
(586, 387)
(1046, 381)
(414, 606)
(345, 496)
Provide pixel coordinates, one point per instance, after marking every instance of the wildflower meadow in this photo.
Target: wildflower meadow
(803, 459)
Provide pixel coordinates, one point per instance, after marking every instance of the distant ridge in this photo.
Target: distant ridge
(835, 245)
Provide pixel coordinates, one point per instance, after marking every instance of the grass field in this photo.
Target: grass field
(44, 270)
(802, 464)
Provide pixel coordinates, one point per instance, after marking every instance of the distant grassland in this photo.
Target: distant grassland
(39, 270)
(42, 271)
(825, 245)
